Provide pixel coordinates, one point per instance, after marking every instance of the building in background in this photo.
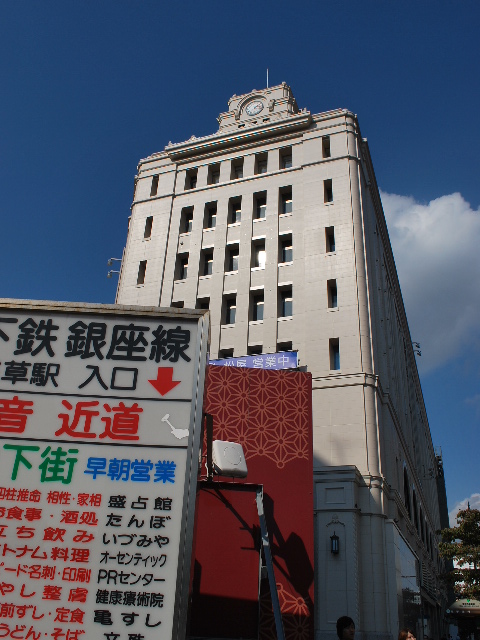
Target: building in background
(275, 224)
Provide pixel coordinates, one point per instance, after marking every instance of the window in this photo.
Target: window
(406, 493)
(334, 346)
(327, 191)
(254, 350)
(142, 269)
(261, 163)
(186, 220)
(326, 147)
(260, 206)
(213, 174)
(332, 294)
(203, 303)
(148, 227)
(415, 510)
(230, 310)
(210, 217)
(286, 249)
(207, 262)
(286, 158)
(286, 303)
(191, 179)
(179, 304)
(284, 346)
(182, 266)
(232, 258)
(286, 202)
(237, 169)
(257, 306)
(259, 255)
(235, 211)
(330, 239)
(224, 354)
(154, 187)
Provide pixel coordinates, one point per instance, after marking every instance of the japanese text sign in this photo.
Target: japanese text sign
(99, 437)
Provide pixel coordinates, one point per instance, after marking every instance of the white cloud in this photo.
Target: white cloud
(437, 253)
(473, 500)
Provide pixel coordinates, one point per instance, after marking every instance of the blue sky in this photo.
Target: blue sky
(89, 88)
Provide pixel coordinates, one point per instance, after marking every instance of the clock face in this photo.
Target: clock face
(254, 107)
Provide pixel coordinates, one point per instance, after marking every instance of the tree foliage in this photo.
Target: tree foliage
(462, 545)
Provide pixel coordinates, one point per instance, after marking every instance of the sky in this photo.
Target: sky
(89, 88)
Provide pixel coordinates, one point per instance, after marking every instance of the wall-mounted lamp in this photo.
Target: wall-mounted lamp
(334, 544)
(416, 348)
(110, 261)
(109, 274)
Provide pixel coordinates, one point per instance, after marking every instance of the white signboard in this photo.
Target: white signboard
(100, 421)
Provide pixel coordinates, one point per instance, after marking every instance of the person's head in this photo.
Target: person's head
(345, 628)
(406, 634)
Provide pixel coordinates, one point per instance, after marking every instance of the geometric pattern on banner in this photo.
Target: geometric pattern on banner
(269, 411)
(295, 616)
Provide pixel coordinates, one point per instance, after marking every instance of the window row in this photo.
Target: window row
(232, 253)
(252, 350)
(257, 301)
(415, 513)
(234, 214)
(237, 168)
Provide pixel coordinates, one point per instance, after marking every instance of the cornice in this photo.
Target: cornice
(220, 141)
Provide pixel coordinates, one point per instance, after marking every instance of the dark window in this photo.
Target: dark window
(237, 169)
(286, 249)
(259, 255)
(142, 269)
(154, 187)
(257, 306)
(286, 202)
(214, 174)
(232, 258)
(210, 219)
(326, 146)
(186, 220)
(203, 303)
(286, 303)
(261, 163)
(191, 179)
(327, 191)
(334, 354)
(208, 263)
(182, 266)
(230, 310)
(286, 158)
(235, 211)
(148, 227)
(332, 294)
(260, 204)
(406, 493)
(330, 239)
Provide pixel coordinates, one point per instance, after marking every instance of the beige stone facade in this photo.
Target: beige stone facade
(275, 223)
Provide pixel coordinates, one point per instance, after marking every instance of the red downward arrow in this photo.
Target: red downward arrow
(164, 382)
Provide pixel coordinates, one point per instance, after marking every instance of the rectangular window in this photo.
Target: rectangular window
(334, 347)
(327, 191)
(259, 255)
(154, 187)
(186, 220)
(142, 269)
(203, 303)
(237, 169)
(232, 258)
(213, 174)
(261, 163)
(257, 306)
(286, 249)
(255, 350)
(284, 346)
(182, 266)
(207, 263)
(286, 158)
(330, 239)
(191, 179)
(260, 206)
(286, 303)
(332, 294)
(230, 310)
(235, 211)
(286, 205)
(224, 354)
(326, 147)
(210, 217)
(148, 227)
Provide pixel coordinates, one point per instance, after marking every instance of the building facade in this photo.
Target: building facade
(275, 224)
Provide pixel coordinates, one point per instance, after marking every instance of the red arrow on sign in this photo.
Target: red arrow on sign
(164, 382)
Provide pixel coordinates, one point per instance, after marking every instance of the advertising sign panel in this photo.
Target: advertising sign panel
(100, 421)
